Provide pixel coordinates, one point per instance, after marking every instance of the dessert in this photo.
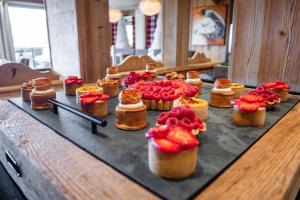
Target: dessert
(160, 94)
(200, 106)
(131, 79)
(25, 90)
(238, 89)
(172, 148)
(87, 89)
(174, 76)
(271, 98)
(131, 113)
(249, 110)
(193, 78)
(113, 73)
(110, 87)
(94, 103)
(221, 95)
(280, 88)
(41, 92)
(151, 72)
(71, 84)
(148, 76)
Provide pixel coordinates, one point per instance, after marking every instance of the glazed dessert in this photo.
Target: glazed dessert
(238, 89)
(71, 84)
(110, 87)
(87, 89)
(249, 110)
(200, 106)
(25, 90)
(131, 79)
(151, 72)
(280, 88)
(174, 76)
(148, 76)
(271, 98)
(221, 95)
(172, 148)
(41, 92)
(113, 73)
(160, 94)
(94, 103)
(193, 78)
(131, 113)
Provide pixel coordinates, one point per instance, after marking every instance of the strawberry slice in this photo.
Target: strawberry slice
(73, 77)
(80, 81)
(270, 84)
(279, 87)
(249, 98)
(103, 97)
(70, 81)
(182, 137)
(248, 107)
(162, 118)
(172, 121)
(165, 146)
(88, 100)
(158, 132)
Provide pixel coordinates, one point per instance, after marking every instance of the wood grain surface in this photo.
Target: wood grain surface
(132, 63)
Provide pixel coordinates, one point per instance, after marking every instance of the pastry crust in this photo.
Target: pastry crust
(41, 84)
(40, 101)
(284, 94)
(221, 99)
(111, 91)
(158, 105)
(70, 89)
(244, 118)
(172, 166)
(131, 119)
(25, 94)
(97, 109)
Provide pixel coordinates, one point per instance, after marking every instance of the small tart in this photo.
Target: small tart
(107, 82)
(193, 75)
(280, 88)
(270, 97)
(222, 83)
(150, 67)
(27, 85)
(236, 85)
(238, 89)
(112, 70)
(25, 90)
(174, 76)
(87, 89)
(94, 103)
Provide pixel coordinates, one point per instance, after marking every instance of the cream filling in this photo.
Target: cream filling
(34, 91)
(151, 71)
(193, 80)
(118, 75)
(131, 106)
(222, 90)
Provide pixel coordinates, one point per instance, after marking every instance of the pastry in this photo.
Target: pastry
(25, 90)
(271, 98)
(238, 89)
(150, 74)
(131, 79)
(160, 94)
(174, 76)
(221, 95)
(131, 113)
(113, 73)
(280, 88)
(172, 148)
(87, 89)
(200, 106)
(71, 84)
(41, 92)
(193, 78)
(249, 110)
(94, 103)
(110, 87)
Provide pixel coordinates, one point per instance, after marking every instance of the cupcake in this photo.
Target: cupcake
(71, 84)
(193, 78)
(110, 87)
(280, 88)
(221, 95)
(94, 103)
(87, 89)
(238, 89)
(113, 73)
(25, 90)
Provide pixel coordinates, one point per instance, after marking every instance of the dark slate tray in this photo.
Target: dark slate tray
(126, 151)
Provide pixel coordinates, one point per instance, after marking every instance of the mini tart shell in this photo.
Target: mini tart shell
(131, 119)
(200, 109)
(111, 90)
(116, 79)
(158, 105)
(70, 89)
(25, 94)
(40, 101)
(221, 99)
(86, 89)
(284, 94)
(244, 118)
(97, 109)
(237, 89)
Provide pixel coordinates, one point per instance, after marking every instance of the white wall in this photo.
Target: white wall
(140, 30)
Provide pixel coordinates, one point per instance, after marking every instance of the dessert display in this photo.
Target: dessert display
(148, 76)
(174, 76)
(221, 95)
(25, 90)
(87, 89)
(172, 147)
(94, 103)
(131, 113)
(193, 78)
(271, 98)
(249, 110)
(131, 79)
(280, 88)
(238, 89)
(41, 92)
(160, 94)
(71, 84)
(113, 73)
(200, 106)
(110, 87)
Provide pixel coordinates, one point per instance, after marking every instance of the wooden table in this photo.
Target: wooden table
(54, 168)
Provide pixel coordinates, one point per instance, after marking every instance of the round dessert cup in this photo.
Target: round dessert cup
(244, 118)
(87, 89)
(97, 109)
(111, 91)
(238, 91)
(284, 94)
(40, 101)
(131, 119)
(221, 99)
(119, 79)
(172, 166)
(25, 94)
(158, 105)
(70, 89)
(201, 110)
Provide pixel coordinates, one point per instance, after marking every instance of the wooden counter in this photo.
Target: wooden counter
(269, 170)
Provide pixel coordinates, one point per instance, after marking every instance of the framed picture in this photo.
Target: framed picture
(209, 25)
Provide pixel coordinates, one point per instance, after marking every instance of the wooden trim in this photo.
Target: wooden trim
(132, 63)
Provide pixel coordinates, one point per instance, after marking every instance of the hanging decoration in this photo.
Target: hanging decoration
(150, 7)
(114, 15)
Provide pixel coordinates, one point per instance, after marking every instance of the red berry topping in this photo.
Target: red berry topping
(248, 107)
(165, 146)
(172, 121)
(249, 98)
(182, 137)
(162, 118)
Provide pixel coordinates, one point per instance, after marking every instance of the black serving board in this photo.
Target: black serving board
(126, 151)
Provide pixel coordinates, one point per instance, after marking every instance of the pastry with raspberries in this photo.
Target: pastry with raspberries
(95, 104)
(131, 113)
(172, 147)
(71, 84)
(131, 79)
(249, 110)
(221, 95)
(193, 78)
(151, 73)
(271, 98)
(160, 94)
(280, 88)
